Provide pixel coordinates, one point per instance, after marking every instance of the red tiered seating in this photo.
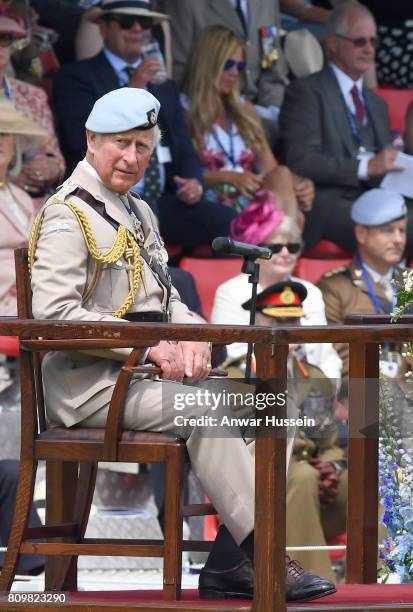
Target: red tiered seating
(9, 346)
(325, 249)
(398, 100)
(209, 274)
(313, 269)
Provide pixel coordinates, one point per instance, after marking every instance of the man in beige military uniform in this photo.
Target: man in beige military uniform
(364, 285)
(97, 256)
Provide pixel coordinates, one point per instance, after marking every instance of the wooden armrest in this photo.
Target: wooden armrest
(155, 370)
(113, 429)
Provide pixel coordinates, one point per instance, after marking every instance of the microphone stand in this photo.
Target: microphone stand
(252, 268)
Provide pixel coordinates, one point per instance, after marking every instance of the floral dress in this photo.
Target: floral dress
(224, 150)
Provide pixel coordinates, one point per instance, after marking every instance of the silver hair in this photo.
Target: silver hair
(17, 165)
(337, 23)
(289, 228)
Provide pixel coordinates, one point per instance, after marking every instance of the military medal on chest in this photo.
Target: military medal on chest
(161, 254)
(269, 46)
(137, 228)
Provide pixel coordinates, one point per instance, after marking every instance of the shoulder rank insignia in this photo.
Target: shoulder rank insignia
(335, 271)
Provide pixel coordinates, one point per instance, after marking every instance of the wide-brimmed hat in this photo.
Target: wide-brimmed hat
(124, 7)
(303, 53)
(10, 26)
(12, 121)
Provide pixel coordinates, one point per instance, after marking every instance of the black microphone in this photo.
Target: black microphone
(227, 245)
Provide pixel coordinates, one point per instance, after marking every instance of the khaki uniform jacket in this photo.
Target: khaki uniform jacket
(77, 384)
(345, 293)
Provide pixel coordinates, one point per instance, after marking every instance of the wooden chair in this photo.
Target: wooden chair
(71, 457)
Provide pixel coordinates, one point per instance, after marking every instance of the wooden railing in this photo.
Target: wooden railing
(271, 349)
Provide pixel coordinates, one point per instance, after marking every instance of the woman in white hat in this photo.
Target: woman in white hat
(18, 135)
(44, 166)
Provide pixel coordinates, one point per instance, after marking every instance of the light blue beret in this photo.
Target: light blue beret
(378, 207)
(124, 109)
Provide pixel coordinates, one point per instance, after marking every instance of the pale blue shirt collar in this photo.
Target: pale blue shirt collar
(118, 64)
(345, 82)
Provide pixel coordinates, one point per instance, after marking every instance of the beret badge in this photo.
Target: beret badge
(152, 118)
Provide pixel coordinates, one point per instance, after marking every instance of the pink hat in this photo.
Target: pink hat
(10, 26)
(256, 222)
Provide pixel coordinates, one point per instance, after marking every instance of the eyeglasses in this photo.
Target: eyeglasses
(126, 22)
(6, 40)
(277, 247)
(362, 41)
(230, 63)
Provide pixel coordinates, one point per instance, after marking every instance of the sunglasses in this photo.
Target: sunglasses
(230, 63)
(126, 22)
(362, 41)
(6, 40)
(277, 247)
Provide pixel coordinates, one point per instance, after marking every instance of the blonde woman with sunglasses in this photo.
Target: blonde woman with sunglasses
(236, 159)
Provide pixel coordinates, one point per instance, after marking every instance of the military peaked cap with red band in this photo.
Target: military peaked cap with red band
(281, 300)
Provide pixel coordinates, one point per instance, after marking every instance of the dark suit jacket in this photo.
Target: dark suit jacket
(316, 137)
(317, 142)
(77, 86)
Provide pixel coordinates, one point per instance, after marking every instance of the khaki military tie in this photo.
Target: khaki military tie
(386, 284)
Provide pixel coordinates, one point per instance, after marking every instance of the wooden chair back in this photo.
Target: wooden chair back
(24, 311)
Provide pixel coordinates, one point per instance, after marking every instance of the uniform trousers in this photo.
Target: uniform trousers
(308, 523)
(223, 458)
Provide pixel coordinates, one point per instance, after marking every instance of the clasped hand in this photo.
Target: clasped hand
(185, 359)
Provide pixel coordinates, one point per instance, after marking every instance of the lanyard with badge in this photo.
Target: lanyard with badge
(362, 152)
(230, 155)
(390, 361)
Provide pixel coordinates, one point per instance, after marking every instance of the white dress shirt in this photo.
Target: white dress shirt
(346, 84)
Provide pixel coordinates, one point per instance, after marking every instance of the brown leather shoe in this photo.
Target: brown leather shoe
(238, 582)
(303, 586)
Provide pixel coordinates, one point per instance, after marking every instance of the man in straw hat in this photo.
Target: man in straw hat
(75, 276)
(172, 185)
(336, 131)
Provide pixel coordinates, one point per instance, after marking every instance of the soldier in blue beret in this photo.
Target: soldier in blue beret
(364, 284)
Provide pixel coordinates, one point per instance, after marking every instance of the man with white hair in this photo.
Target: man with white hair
(335, 131)
(97, 256)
